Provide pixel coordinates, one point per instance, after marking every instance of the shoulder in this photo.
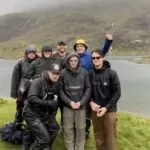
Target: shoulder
(112, 72)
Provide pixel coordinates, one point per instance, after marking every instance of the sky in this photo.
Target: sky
(10, 6)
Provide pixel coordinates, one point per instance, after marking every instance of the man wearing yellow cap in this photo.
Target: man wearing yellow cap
(86, 62)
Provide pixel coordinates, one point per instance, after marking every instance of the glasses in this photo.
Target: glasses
(98, 57)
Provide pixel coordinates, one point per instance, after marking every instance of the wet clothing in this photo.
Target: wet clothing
(39, 65)
(106, 92)
(86, 59)
(106, 89)
(20, 84)
(40, 112)
(60, 58)
(74, 86)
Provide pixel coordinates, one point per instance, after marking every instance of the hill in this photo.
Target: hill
(128, 21)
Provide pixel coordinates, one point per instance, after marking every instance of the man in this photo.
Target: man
(106, 92)
(40, 110)
(74, 92)
(86, 62)
(61, 53)
(19, 83)
(42, 63)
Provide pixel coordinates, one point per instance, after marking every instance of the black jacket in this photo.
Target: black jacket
(74, 85)
(38, 66)
(106, 89)
(19, 76)
(41, 99)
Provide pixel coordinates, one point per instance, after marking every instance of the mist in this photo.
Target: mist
(11, 6)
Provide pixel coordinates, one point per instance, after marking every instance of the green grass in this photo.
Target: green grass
(133, 131)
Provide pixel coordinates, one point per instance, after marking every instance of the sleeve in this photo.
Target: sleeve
(30, 72)
(34, 95)
(87, 92)
(15, 80)
(115, 90)
(106, 47)
(63, 95)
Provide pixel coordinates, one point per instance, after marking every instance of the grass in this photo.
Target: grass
(133, 131)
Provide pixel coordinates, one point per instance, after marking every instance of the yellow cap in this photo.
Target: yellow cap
(80, 41)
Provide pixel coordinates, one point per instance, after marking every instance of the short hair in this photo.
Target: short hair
(98, 51)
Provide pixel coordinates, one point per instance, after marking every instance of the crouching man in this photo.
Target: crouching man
(41, 108)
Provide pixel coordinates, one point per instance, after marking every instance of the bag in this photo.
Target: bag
(13, 133)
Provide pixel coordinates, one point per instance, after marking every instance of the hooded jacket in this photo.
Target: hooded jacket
(106, 89)
(19, 74)
(74, 84)
(39, 65)
(41, 97)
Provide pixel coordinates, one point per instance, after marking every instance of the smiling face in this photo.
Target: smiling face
(62, 48)
(31, 55)
(47, 53)
(80, 48)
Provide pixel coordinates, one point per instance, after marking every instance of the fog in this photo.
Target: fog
(10, 6)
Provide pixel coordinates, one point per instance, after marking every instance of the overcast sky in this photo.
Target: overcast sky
(9, 6)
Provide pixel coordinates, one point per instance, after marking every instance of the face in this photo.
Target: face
(31, 55)
(80, 48)
(97, 60)
(62, 48)
(47, 54)
(73, 62)
(53, 76)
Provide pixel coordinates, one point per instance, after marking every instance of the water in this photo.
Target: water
(6, 68)
(135, 83)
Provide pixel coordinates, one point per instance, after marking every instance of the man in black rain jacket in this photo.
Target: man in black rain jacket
(41, 108)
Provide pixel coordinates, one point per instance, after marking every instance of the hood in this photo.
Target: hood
(30, 48)
(44, 48)
(67, 62)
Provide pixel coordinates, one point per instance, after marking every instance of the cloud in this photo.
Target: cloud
(9, 6)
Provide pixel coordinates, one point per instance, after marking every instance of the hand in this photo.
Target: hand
(73, 105)
(94, 106)
(101, 111)
(109, 36)
(78, 105)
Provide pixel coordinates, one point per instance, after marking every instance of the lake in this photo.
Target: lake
(135, 83)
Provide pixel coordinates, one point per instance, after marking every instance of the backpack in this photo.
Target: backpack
(13, 133)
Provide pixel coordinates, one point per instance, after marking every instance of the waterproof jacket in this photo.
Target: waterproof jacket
(106, 89)
(38, 66)
(74, 84)
(86, 59)
(41, 99)
(19, 75)
(61, 59)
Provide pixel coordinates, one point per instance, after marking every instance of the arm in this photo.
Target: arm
(107, 44)
(63, 95)
(34, 95)
(115, 90)
(87, 92)
(15, 80)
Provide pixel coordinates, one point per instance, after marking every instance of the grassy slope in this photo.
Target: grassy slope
(133, 131)
(89, 22)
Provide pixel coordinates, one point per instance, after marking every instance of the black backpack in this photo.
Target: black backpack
(13, 133)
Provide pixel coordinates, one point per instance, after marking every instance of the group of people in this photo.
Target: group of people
(80, 83)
